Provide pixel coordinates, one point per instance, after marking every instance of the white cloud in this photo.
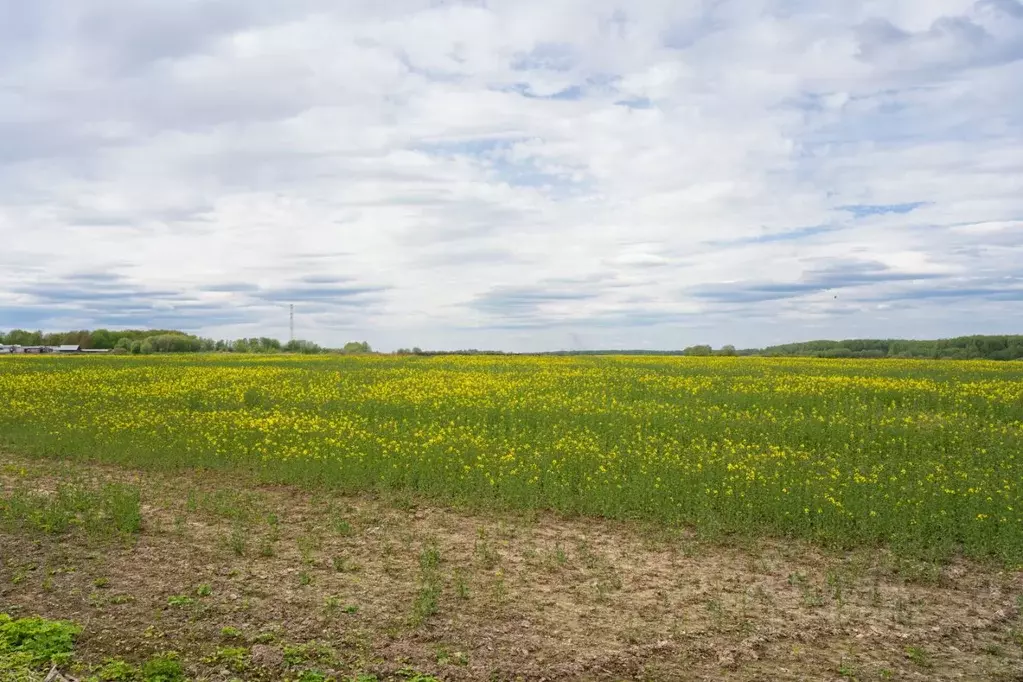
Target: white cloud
(520, 175)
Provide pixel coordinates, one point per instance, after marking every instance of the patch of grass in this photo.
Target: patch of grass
(98, 510)
(204, 590)
(919, 656)
(164, 667)
(239, 506)
(234, 658)
(411, 675)
(230, 632)
(37, 641)
(344, 565)
(425, 603)
(101, 583)
(447, 657)
(237, 541)
(116, 670)
(180, 600)
(461, 586)
(298, 654)
(341, 526)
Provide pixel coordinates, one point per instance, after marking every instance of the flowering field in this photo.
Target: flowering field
(924, 456)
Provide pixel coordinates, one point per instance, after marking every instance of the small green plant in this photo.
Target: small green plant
(229, 632)
(847, 670)
(204, 590)
(446, 657)
(233, 658)
(237, 541)
(411, 675)
(918, 656)
(165, 667)
(304, 578)
(116, 670)
(179, 600)
(343, 565)
(461, 586)
(488, 557)
(351, 609)
(341, 526)
(429, 559)
(425, 604)
(101, 583)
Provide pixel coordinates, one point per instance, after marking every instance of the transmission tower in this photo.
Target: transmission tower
(291, 321)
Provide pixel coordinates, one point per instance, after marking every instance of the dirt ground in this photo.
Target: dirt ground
(264, 583)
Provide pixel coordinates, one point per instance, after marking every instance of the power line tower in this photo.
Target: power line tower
(291, 321)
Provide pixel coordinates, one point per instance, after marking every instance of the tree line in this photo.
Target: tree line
(147, 341)
(1009, 347)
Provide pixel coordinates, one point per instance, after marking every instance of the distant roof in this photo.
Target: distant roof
(68, 347)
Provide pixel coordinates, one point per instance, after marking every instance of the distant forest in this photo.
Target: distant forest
(959, 348)
(146, 341)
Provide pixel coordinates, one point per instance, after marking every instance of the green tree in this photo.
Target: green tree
(357, 347)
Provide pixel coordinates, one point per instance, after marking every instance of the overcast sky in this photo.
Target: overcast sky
(514, 174)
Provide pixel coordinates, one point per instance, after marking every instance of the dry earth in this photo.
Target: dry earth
(387, 585)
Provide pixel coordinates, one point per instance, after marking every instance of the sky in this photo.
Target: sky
(513, 174)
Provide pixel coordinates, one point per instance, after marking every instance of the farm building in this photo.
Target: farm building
(37, 350)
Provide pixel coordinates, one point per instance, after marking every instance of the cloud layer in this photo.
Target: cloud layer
(514, 174)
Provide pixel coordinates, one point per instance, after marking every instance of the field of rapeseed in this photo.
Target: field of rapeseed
(924, 456)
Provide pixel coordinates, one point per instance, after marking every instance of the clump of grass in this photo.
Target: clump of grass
(164, 667)
(98, 510)
(234, 658)
(231, 632)
(918, 656)
(35, 641)
(116, 670)
(425, 603)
